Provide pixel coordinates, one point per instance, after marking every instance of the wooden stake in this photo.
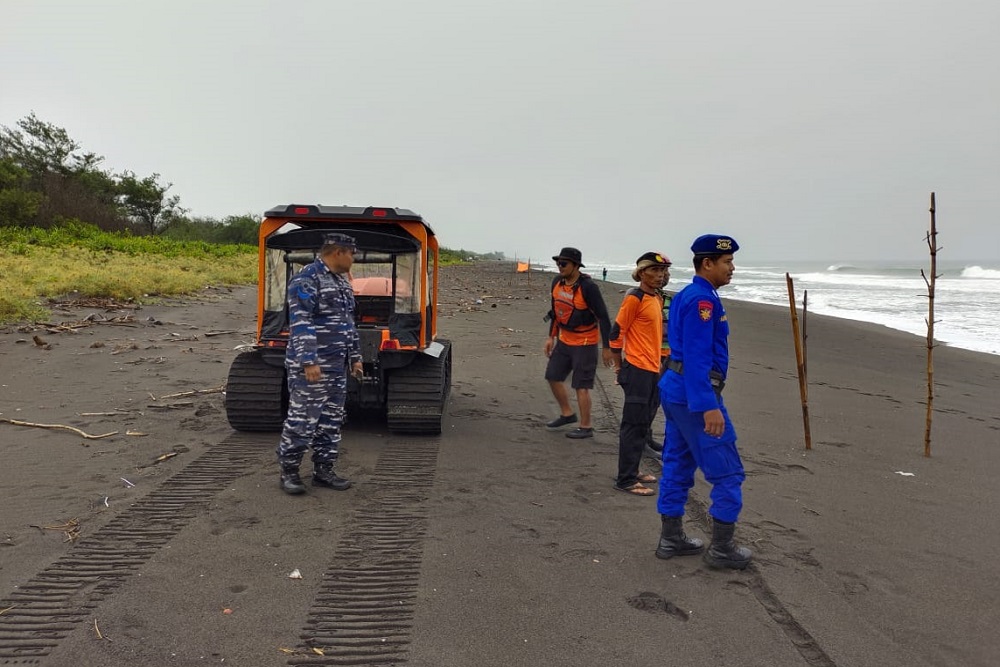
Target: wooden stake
(805, 336)
(799, 361)
(933, 247)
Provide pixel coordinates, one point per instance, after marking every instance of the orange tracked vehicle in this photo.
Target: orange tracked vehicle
(407, 369)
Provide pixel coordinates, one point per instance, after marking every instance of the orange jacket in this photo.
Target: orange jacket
(579, 316)
(638, 329)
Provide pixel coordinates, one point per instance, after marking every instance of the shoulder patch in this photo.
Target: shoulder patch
(705, 310)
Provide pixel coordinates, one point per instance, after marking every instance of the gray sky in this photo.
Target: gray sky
(804, 129)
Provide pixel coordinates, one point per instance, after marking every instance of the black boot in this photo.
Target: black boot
(723, 551)
(673, 541)
(291, 483)
(323, 475)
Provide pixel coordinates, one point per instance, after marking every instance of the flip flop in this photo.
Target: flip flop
(646, 478)
(637, 489)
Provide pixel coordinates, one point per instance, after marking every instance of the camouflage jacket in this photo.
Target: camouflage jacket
(321, 317)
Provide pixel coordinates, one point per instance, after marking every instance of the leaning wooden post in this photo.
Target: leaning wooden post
(805, 336)
(933, 247)
(799, 361)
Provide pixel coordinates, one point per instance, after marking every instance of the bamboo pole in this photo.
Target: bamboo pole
(799, 362)
(805, 336)
(932, 246)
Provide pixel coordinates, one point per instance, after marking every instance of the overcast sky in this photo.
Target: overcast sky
(807, 129)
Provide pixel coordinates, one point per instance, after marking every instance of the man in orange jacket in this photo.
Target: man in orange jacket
(636, 340)
(579, 319)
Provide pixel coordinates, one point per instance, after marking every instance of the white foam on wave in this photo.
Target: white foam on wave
(980, 272)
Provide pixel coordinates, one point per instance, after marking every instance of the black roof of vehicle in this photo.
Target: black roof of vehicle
(356, 212)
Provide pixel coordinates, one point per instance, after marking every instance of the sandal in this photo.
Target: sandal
(646, 478)
(637, 489)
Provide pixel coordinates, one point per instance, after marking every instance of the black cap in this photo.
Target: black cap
(342, 240)
(570, 255)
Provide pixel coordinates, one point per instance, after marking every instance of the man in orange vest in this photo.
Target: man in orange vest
(578, 317)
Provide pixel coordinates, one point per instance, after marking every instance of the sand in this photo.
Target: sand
(499, 542)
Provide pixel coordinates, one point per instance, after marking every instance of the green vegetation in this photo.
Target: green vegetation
(82, 261)
(46, 178)
(449, 256)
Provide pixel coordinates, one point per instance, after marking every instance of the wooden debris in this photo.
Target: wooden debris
(135, 433)
(195, 392)
(41, 343)
(17, 422)
(171, 406)
(4, 611)
(159, 459)
(71, 529)
(209, 334)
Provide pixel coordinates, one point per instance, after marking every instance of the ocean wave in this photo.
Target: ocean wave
(841, 267)
(980, 272)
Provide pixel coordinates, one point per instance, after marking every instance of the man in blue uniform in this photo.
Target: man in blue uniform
(699, 433)
(322, 344)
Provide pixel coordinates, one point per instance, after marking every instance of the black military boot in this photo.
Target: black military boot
(673, 541)
(723, 551)
(291, 483)
(323, 475)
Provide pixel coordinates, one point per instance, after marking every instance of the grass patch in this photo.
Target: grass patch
(36, 264)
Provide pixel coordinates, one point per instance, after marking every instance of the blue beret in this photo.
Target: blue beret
(340, 240)
(714, 244)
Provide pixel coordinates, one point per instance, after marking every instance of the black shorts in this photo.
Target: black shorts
(581, 359)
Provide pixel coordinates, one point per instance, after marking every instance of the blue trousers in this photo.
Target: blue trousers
(315, 414)
(687, 447)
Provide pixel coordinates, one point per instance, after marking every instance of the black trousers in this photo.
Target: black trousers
(641, 400)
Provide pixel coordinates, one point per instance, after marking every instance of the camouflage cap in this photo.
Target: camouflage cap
(338, 239)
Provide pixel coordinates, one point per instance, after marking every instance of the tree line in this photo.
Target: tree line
(47, 179)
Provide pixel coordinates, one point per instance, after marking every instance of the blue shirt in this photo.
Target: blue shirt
(321, 317)
(698, 333)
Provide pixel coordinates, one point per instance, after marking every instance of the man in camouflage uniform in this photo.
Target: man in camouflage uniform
(322, 343)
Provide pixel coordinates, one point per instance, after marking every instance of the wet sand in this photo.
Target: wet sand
(499, 542)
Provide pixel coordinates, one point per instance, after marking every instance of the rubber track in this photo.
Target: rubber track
(46, 609)
(417, 395)
(255, 394)
(363, 612)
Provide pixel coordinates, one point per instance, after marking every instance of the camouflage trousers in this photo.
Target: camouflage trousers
(315, 415)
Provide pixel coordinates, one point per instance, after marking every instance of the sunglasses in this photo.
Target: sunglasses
(562, 263)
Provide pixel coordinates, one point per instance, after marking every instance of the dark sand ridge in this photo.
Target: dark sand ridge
(524, 554)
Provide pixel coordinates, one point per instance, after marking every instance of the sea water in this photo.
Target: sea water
(966, 294)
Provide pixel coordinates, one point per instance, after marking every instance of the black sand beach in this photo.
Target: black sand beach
(498, 543)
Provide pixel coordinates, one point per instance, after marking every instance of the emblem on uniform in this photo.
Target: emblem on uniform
(724, 244)
(705, 310)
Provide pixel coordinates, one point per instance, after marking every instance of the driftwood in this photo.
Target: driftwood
(16, 422)
(194, 392)
(71, 529)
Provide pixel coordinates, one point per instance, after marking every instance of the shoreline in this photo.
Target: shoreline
(727, 298)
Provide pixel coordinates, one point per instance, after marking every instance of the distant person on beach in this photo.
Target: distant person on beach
(604, 274)
(578, 318)
(636, 338)
(322, 345)
(699, 433)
